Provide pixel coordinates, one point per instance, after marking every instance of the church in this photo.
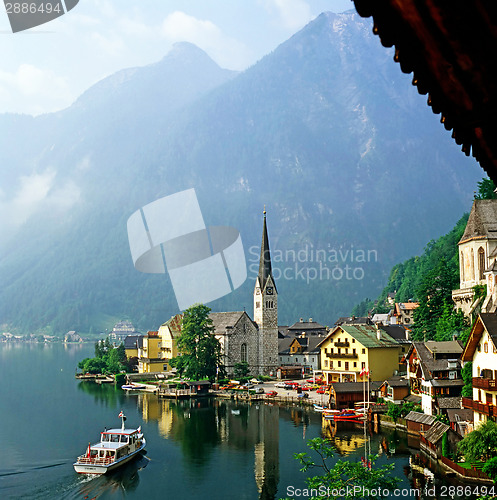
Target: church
(254, 341)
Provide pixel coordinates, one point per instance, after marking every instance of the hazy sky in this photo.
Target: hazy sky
(46, 68)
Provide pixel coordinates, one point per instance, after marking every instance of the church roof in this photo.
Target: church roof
(265, 259)
(226, 320)
(482, 221)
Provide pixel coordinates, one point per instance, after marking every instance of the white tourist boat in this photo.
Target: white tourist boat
(116, 447)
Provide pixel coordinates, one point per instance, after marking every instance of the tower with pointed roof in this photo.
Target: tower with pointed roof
(478, 259)
(266, 309)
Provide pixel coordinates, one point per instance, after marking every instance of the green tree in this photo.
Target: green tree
(99, 349)
(114, 359)
(94, 365)
(486, 190)
(241, 369)
(199, 350)
(346, 480)
(490, 469)
(467, 376)
(451, 322)
(394, 411)
(480, 444)
(435, 296)
(407, 407)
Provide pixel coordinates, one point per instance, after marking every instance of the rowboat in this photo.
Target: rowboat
(349, 415)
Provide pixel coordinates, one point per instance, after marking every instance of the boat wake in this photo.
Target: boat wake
(30, 469)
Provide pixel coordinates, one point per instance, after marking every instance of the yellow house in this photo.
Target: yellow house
(169, 333)
(349, 351)
(157, 348)
(148, 354)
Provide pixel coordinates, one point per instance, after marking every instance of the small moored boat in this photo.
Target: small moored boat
(133, 387)
(116, 447)
(349, 415)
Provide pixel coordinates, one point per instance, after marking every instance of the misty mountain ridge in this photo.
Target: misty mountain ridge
(325, 131)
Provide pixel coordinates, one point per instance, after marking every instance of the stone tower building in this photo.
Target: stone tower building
(266, 309)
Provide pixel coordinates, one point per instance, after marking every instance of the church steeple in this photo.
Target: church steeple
(266, 309)
(265, 258)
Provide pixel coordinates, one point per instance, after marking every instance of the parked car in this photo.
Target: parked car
(280, 384)
(271, 394)
(259, 390)
(322, 390)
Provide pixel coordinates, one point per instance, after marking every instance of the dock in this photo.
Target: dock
(98, 378)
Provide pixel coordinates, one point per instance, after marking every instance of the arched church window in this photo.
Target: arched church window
(472, 274)
(461, 267)
(481, 261)
(243, 353)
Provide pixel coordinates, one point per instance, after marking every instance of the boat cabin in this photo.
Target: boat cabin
(114, 444)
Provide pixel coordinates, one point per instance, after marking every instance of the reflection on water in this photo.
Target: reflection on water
(118, 483)
(200, 426)
(197, 449)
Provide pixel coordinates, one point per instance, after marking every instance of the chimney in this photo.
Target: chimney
(301, 320)
(310, 320)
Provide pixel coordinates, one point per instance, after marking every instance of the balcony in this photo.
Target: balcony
(341, 355)
(487, 409)
(489, 384)
(341, 344)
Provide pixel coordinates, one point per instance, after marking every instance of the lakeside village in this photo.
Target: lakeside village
(442, 392)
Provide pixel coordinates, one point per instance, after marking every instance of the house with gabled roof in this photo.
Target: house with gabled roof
(395, 389)
(404, 312)
(156, 349)
(303, 351)
(481, 350)
(355, 352)
(434, 370)
(308, 328)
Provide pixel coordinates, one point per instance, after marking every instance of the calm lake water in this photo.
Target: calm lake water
(204, 449)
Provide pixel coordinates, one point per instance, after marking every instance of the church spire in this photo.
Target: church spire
(265, 259)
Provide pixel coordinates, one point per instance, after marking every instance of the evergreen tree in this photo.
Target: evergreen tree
(467, 376)
(486, 190)
(451, 323)
(435, 297)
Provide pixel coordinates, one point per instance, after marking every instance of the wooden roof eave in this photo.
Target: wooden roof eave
(473, 340)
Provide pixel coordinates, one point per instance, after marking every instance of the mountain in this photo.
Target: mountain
(325, 131)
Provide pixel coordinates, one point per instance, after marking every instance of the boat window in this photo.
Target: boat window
(115, 438)
(124, 439)
(105, 437)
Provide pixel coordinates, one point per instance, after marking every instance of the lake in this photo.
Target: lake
(196, 449)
